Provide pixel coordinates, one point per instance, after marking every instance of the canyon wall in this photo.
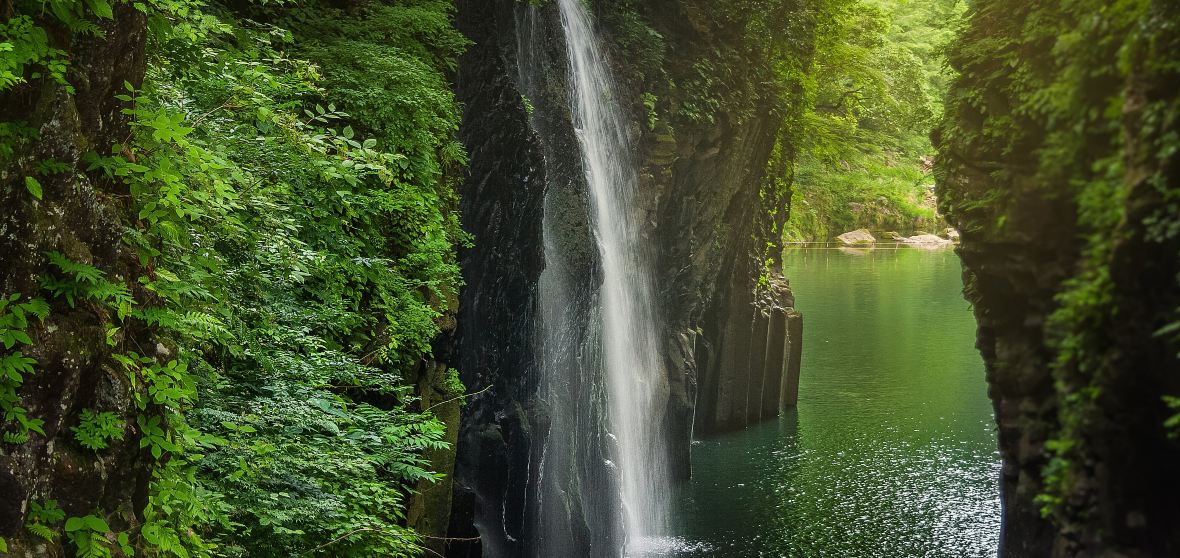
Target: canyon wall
(705, 86)
(1058, 162)
(78, 215)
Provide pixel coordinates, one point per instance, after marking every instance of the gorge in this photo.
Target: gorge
(517, 278)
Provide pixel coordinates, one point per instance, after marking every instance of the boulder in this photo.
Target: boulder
(926, 241)
(859, 237)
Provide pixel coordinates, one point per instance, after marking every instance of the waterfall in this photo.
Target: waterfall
(629, 342)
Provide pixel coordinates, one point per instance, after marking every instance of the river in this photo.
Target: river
(892, 450)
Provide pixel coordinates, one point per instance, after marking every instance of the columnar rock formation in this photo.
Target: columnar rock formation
(751, 372)
(712, 193)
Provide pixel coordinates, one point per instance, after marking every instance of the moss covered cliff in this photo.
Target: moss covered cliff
(722, 115)
(46, 127)
(1058, 161)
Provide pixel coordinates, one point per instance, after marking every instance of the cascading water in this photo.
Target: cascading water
(591, 407)
(630, 352)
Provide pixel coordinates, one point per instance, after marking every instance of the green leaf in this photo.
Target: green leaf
(33, 186)
(1167, 329)
(102, 9)
(22, 337)
(75, 524)
(96, 524)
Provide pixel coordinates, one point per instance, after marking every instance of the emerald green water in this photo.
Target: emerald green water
(892, 450)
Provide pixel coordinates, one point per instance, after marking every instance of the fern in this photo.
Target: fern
(41, 531)
(14, 324)
(80, 272)
(89, 535)
(42, 517)
(298, 267)
(95, 429)
(84, 281)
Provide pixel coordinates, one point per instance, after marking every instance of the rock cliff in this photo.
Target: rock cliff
(712, 138)
(1070, 266)
(78, 215)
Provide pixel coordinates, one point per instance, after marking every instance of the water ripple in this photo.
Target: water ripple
(892, 452)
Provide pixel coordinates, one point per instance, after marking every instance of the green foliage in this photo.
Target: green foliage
(876, 90)
(14, 319)
(176, 502)
(350, 261)
(866, 190)
(24, 46)
(454, 385)
(84, 281)
(41, 518)
(14, 365)
(653, 117)
(42, 531)
(644, 47)
(292, 174)
(89, 535)
(47, 513)
(1172, 424)
(33, 187)
(748, 52)
(1048, 106)
(32, 52)
(94, 429)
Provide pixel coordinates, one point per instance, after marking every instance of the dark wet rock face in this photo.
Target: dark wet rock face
(79, 217)
(502, 207)
(731, 343)
(716, 199)
(1072, 278)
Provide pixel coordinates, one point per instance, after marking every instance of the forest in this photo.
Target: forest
(512, 278)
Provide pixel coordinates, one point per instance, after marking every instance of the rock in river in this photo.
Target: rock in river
(926, 241)
(859, 237)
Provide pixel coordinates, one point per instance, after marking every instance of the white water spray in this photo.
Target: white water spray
(636, 384)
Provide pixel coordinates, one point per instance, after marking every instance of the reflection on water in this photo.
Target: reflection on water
(892, 451)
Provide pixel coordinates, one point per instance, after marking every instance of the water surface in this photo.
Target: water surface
(892, 450)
